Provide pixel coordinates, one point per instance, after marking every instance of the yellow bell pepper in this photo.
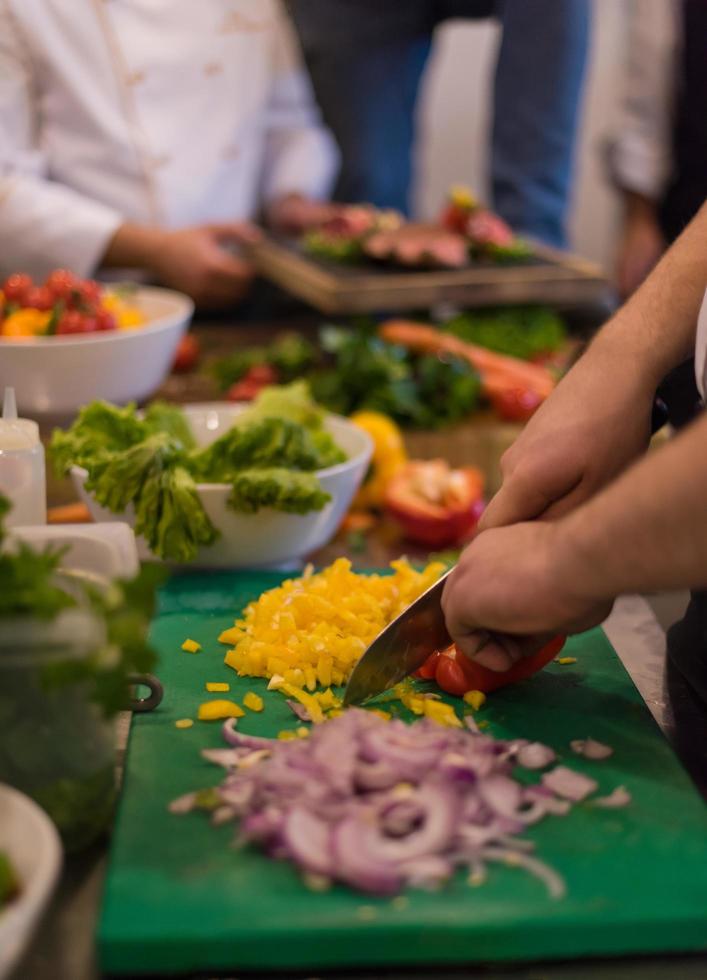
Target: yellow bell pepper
(253, 701)
(191, 646)
(475, 699)
(388, 458)
(26, 323)
(219, 708)
(216, 687)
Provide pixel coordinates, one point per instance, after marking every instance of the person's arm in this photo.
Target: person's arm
(301, 159)
(639, 155)
(645, 532)
(597, 421)
(43, 224)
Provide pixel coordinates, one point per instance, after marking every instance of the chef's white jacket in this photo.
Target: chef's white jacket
(164, 112)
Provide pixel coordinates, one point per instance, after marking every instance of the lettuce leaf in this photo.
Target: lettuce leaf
(281, 489)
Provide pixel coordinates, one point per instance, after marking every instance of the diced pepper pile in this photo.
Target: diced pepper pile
(311, 631)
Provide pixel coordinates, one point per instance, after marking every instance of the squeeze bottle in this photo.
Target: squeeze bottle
(22, 470)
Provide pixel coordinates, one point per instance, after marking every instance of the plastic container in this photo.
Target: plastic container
(22, 466)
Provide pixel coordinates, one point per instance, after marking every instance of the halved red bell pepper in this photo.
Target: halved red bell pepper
(434, 504)
(456, 674)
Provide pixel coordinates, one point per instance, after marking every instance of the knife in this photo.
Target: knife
(402, 647)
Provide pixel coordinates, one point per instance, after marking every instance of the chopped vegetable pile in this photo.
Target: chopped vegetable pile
(382, 805)
(312, 630)
(269, 456)
(63, 305)
(525, 332)
(9, 885)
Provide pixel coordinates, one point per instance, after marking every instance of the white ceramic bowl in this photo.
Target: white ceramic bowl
(55, 376)
(30, 840)
(268, 537)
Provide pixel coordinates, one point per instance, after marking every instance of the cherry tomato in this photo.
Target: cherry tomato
(105, 320)
(451, 677)
(63, 284)
(70, 322)
(243, 391)
(90, 291)
(428, 669)
(516, 404)
(187, 354)
(16, 286)
(38, 298)
(264, 374)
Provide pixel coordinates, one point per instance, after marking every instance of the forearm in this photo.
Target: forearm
(648, 530)
(132, 247)
(655, 330)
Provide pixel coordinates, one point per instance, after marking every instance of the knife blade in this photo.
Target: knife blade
(402, 647)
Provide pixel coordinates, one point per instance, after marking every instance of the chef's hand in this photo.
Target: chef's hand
(196, 260)
(293, 214)
(525, 582)
(595, 423)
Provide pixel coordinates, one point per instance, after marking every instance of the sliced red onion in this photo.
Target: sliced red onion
(591, 749)
(241, 740)
(380, 805)
(309, 841)
(299, 709)
(516, 859)
(618, 798)
(535, 755)
(569, 784)
(183, 804)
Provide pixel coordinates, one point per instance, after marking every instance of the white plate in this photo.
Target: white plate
(30, 839)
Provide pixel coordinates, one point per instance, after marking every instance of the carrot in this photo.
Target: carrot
(498, 371)
(69, 514)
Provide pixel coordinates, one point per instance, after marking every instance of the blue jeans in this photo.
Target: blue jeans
(366, 59)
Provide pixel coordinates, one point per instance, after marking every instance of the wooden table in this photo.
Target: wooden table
(63, 947)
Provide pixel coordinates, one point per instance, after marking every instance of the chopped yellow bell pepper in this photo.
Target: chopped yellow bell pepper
(286, 736)
(566, 660)
(219, 708)
(310, 703)
(442, 713)
(217, 686)
(475, 699)
(253, 701)
(191, 646)
(183, 723)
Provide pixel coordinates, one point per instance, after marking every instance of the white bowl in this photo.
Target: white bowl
(31, 842)
(55, 376)
(268, 537)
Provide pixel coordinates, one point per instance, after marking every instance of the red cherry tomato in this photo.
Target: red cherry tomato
(105, 320)
(429, 668)
(516, 404)
(16, 286)
(90, 291)
(451, 677)
(39, 298)
(264, 374)
(243, 391)
(63, 285)
(70, 322)
(187, 354)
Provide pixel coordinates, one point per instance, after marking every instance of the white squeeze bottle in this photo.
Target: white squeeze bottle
(22, 471)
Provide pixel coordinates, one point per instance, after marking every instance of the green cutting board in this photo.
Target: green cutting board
(180, 898)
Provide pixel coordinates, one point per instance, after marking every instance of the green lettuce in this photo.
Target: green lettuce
(281, 489)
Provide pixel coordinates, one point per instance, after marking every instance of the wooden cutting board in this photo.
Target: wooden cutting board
(179, 898)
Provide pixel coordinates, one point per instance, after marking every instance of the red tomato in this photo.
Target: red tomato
(478, 678)
(63, 284)
(105, 320)
(70, 322)
(187, 354)
(516, 404)
(264, 374)
(16, 286)
(454, 218)
(90, 291)
(243, 391)
(428, 669)
(39, 298)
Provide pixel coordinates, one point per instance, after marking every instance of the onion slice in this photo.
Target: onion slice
(591, 749)
(569, 784)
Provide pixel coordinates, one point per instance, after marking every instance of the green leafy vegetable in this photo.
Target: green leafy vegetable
(293, 402)
(290, 354)
(163, 417)
(335, 247)
(519, 331)
(294, 493)
(170, 515)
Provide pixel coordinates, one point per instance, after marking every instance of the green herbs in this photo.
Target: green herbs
(9, 884)
(519, 331)
(418, 391)
(289, 354)
(269, 457)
